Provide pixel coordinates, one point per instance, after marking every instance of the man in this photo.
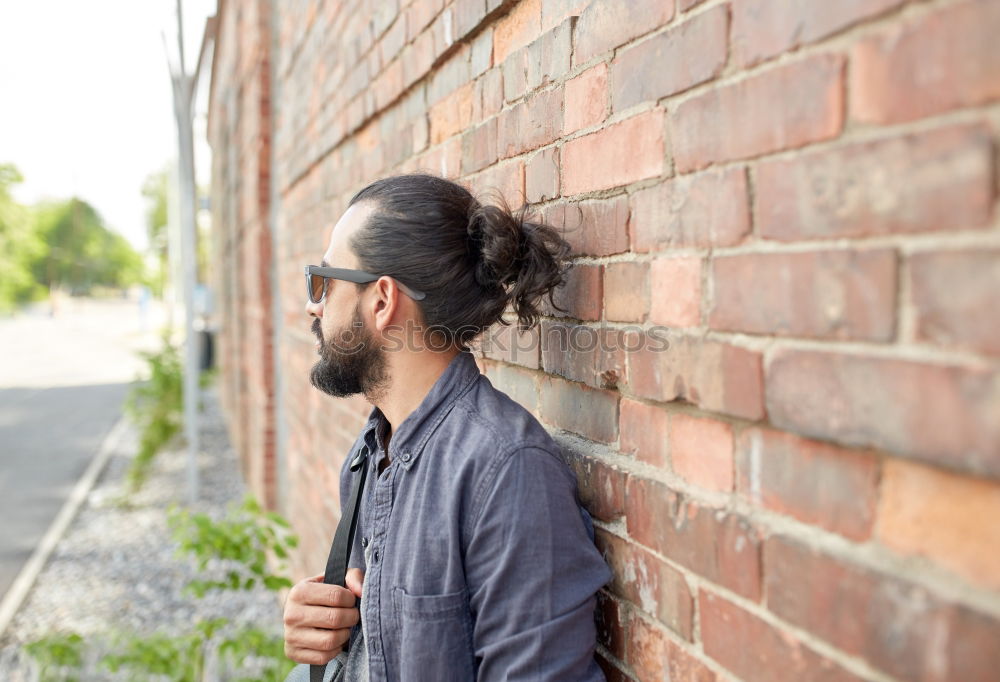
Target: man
(475, 559)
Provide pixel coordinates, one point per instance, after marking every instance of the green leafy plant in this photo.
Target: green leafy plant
(58, 655)
(178, 658)
(232, 554)
(155, 406)
(237, 546)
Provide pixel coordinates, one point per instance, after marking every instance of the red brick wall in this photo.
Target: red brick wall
(801, 197)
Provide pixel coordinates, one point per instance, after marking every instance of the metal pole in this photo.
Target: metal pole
(183, 104)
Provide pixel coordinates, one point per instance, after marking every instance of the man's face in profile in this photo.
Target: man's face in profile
(351, 362)
(351, 358)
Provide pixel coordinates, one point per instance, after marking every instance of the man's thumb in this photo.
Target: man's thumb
(355, 580)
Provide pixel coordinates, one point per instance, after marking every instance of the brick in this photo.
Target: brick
(783, 108)
(701, 451)
(554, 12)
(392, 42)
(701, 209)
(417, 57)
(592, 355)
(817, 483)
(508, 344)
(898, 626)
(675, 291)
(516, 29)
(720, 546)
(756, 651)
(941, 61)
(596, 227)
(650, 583)
(654, 656)
(606, 25)
(685, 5)
(820, 294)
(612, 672)
(712, 375)
(610, 625)
(948, 518)
(481, 55)
(420, 14)
(468, 15)
(541, 176)
(518, 383)
(549, 55)
(601, 485)
(586, 99)
(580, 296)
(940, 414)
(488, 96)
(479, 147)
(919, 182)
(763, 29)
(533, 123)
(452, 114)
(626, 291)
(505, 178)
(953, 295)
(590, 412)
(449, 76)
(515, 76)
(670, 62)
(643, 431)
(622, 153)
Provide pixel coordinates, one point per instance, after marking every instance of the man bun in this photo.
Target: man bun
(473, 260)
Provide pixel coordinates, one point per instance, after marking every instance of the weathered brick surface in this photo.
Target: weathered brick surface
(812, 481)
(957, 40)
(774, 370)
(920, 182)
(941, 414)
(783, 108)
(619, 154)
(825, 294)
(719, 546)
(938, 280)
(949, 518)
(670, 62)
(901, 628)
(755, 650)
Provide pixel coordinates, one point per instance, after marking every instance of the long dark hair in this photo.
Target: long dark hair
(471, 259)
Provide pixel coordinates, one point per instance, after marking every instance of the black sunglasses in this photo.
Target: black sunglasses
(316, 276)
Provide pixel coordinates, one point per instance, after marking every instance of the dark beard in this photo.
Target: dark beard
(350, 364)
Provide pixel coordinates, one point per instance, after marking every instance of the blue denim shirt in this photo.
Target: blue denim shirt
(481, 563)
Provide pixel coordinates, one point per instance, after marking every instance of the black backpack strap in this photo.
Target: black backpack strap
(343, 541)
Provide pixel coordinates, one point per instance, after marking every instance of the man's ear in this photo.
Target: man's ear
(386, 304)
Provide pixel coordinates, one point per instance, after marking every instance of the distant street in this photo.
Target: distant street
(63, 380)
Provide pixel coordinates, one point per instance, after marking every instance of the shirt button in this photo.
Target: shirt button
(375, 556)
(405, 457)
(364, 542)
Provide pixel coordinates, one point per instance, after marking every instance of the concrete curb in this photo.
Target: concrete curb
(22, 585)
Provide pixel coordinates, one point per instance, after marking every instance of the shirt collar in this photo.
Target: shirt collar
(410, 437)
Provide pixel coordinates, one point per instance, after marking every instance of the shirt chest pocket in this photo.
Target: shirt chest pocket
(435, 635)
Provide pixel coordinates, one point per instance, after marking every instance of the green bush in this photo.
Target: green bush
(238, 547)
(156, 407)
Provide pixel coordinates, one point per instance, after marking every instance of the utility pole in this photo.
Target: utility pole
(184, 90)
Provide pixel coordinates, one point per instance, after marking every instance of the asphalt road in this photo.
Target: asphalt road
(63, 380)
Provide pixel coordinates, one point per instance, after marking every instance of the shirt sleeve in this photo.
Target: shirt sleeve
(533, 572)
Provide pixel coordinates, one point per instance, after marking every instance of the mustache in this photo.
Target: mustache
(317, 330)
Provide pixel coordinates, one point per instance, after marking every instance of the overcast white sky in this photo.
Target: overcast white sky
(85, 99)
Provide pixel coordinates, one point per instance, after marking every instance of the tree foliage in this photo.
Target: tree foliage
(20, 246)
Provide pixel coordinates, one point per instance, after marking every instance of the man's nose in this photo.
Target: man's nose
(314, 309)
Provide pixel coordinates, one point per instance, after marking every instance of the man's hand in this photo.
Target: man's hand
(319, 617)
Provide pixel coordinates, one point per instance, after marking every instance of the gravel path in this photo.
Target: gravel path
(116, 568)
